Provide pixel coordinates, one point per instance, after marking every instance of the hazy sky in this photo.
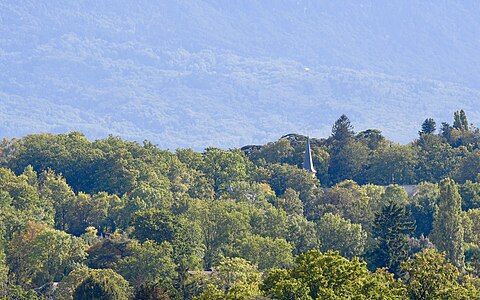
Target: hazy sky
(230, 73)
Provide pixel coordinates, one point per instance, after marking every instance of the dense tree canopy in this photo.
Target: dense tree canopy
(114, 219)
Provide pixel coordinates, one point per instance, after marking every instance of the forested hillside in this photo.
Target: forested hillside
(114, 219)
(228, 73)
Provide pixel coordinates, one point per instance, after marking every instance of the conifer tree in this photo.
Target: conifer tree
(342, 130)
(447, 233)
(428, 127)
(446, 131)
(347, 154)
(463, 120)
(457, 124)
(392, 227)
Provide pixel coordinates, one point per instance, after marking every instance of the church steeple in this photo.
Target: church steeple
(307, 160)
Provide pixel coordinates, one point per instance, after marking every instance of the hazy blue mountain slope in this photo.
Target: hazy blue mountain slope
(229, 73)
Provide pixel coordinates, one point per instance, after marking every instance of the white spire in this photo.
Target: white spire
(307, 160)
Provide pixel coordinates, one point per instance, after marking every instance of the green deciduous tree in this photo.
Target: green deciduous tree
(429, 276)
(279, 284)
(153, 224)
(224, 167)
(448, 233)
(159, 197)
(392, 164)
(148, 262)
(395, 193)
(302, 234)
(271, 222)
(39, 254)
(285, 176)
(281, 151)
(16, 292)
(188, 250)
(347, 161)
(290, 202)
(469, 167)
(423, 207)
(265, 252)
(460, 120)
(338, 234)
(3, 273)
(221, 223)
(290, 149)
(252, 193)
(474, 231)
(328, 275)
(55, 189)
(91, 284)
(233, 279)
(100, 211)
(470, 192)
(436, 158)
(350, 201)
(20, 201)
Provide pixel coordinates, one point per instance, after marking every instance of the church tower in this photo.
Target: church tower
(307, 160)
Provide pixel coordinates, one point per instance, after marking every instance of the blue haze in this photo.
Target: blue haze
(191, 73)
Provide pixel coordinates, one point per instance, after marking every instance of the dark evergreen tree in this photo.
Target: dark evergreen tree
(392, 227)
(428, 127)
(446, 131)
(463, 120)
(342, 130)
(151, 291)
(347, 154)
(102, 284)
(373, 138)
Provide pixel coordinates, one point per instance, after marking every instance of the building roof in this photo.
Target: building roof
(412, 190)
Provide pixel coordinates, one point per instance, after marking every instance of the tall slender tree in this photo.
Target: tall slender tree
(460, 120)
(463, 120)
(447, 233)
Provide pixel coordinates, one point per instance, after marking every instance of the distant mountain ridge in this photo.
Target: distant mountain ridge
(231, 73)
